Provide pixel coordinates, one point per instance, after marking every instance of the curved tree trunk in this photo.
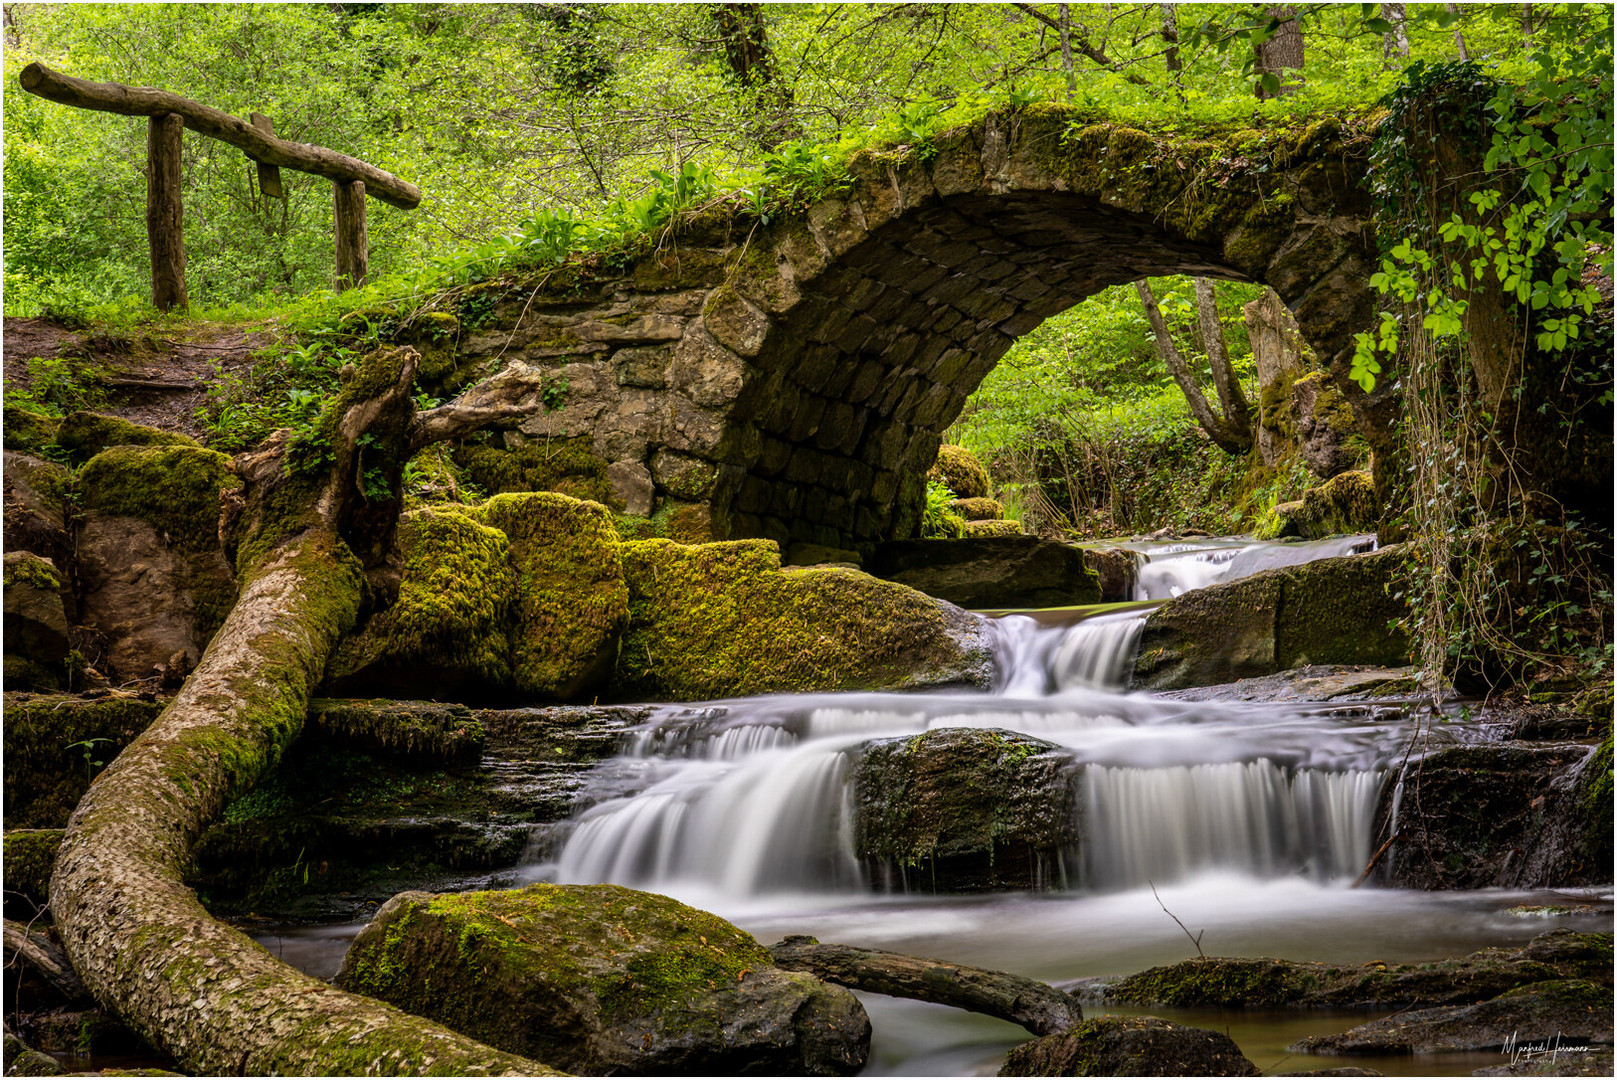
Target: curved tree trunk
(196, 989)
(1230, 438)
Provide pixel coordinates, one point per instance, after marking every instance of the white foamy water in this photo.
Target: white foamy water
(1167, 568)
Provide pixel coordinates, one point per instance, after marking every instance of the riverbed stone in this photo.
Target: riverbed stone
(603, 979)
(995, 572)
(1261, 983)
(1129, 1046)
(1571, 1010)
(964, 810)
(1330, 611)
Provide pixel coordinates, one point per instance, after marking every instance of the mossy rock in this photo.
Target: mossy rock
(977, 530)
(173, 487)
(442, 734)
(959, 469)
(983, 509)
(52, 744)
(723, 619)
(449, 629)
(30, 856)
(565, 466)
(964, 810)
(571, 602)
(1129, 1046)
(1255, 983)
(28, 431)
(1346, 503)
(602, 979)
(83, 435)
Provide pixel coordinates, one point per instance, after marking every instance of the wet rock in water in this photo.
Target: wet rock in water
(1330, 611)
(1311, 682)
(1508, 815)
(1572, 1011)
(603, 979)
(426, 729)
(35, 623)
(1265, 983)
(964, 810)
(723, 620)
(1130, 1046)
(1116, 569)
(994, 572)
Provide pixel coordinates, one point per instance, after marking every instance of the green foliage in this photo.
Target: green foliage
(938, 518)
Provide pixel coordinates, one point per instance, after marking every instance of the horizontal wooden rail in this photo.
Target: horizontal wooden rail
(204, 119)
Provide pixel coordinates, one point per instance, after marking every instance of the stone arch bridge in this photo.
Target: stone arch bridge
(793, 380)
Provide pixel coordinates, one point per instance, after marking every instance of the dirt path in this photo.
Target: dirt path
(148, 378)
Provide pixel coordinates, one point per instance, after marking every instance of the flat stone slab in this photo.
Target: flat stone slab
(1314, 682)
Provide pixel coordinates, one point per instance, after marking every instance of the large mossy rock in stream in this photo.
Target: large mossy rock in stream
(723, 619)
(602, 979)
(1330, 611)
(1129, 1046)
(153, 576)
(1258, 983)
(990, 572)
(1503, 815)
(964, 810)
(1570, 1011)
(1116, 569)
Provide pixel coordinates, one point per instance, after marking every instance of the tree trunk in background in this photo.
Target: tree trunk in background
(1230, 397)
(305, 541)
(1395, 45)
(1066, 52)
(1459, 38)
(1281, 53)
(1231, 439)
(747, 52)
(1170, 34)
(1277, 354)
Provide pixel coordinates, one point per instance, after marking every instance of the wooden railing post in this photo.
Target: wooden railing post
(165, 230)
(353, 247)
(269, 177)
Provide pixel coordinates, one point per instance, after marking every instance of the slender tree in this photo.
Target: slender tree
(1170, 56)
(1279, 53)
(1231, 429)
(1395, 42)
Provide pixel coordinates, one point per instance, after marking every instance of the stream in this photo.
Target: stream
(1248, 822)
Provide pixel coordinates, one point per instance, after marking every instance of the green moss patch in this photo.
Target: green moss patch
(30, 856)
(565, 466)
(27, 431)
(54, 746)
(85, 434)
(959, 469)
(175, 488)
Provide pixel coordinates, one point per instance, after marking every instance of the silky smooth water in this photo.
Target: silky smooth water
(1166, 568)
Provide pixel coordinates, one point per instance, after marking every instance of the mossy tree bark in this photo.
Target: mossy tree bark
(310, 530)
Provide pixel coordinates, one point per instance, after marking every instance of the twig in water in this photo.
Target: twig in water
(1380, 851)
(1196, 939)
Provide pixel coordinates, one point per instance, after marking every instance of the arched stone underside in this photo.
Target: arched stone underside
(812, 365)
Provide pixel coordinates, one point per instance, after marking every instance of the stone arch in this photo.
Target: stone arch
(808, 368)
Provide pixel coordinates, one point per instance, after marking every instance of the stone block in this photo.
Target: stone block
(631, 486)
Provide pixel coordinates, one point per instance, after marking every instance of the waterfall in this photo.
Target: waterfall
(1164, 824)
(1034, 659)
(1168, 569)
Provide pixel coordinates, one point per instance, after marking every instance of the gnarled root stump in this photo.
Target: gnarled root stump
(1039, 1007)
(196, 989)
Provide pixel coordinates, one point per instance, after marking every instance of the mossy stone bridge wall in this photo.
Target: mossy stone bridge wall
(792, 380)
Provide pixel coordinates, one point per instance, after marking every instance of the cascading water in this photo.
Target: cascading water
(753, 797)
(1167, 568)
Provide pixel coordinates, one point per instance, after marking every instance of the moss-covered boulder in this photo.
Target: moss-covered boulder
(83, 435)
(979, 530)
(28, 431)
(994, 572)
(566, 466)
(1326, 426)
(571, 601)
(602, 979)
(1346, 503)
(29, 856)
(36, 500)
(1505, 815)
(960, 471)
(35, 623)
(448, 632)
(1129, 1046)
(152, 571)
(723, 619)
(55, 744)
(1116, 569)
(1330, 611)
(980, 509)
(965, 810)
(1259, 983)
(1568, 1012)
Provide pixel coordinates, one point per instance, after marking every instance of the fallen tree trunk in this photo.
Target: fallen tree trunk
(199, 990)
(262, 147)
(1037, 1006)
(39, 952)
